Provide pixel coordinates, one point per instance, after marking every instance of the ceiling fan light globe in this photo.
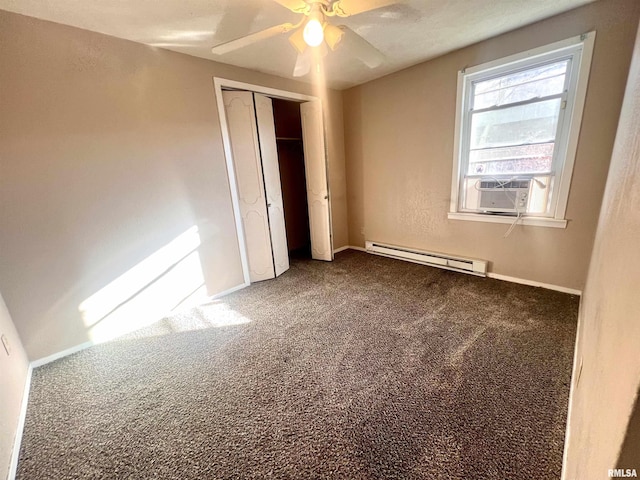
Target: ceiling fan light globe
(313, 33)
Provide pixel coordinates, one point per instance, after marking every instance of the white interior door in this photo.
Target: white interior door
(243, 136)
(271, 171)
(316, 171)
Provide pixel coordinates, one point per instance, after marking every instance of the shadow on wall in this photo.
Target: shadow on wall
(170, 278)
(630, 453)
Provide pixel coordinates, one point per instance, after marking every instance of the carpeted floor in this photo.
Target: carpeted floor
(364, 368)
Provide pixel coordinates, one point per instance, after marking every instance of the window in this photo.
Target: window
(517, 126)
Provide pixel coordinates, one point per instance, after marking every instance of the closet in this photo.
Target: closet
(292, 177)
(252, 137)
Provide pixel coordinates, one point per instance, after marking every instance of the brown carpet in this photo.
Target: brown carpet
(364, 368)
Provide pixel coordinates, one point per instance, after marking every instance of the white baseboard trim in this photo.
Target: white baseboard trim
(62, 354)
(575, 374)
(227, 292)
(533, 283)
(349, 247)
(15, 453)
(507, 278)
(359, 249)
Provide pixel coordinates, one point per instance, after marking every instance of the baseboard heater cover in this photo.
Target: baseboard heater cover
(440, 260)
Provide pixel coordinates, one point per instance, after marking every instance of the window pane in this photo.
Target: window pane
(536, 82)
(518, 125)
(536, 158)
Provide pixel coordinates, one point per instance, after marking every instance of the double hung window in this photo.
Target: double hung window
(517, 125)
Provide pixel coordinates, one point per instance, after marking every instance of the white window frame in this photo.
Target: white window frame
(580, 49)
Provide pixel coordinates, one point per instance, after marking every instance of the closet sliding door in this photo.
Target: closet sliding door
(258, 182)
(273, 189)
(317, 187)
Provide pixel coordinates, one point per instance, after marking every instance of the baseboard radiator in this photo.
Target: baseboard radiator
(440, 260)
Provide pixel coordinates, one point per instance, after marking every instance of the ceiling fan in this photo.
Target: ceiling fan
(314, 30)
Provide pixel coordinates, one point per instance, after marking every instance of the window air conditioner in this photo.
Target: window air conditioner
(503, 196)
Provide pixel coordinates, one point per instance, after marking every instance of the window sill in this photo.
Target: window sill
(533, 221)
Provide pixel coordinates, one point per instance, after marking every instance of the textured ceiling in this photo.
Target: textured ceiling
(407, 33)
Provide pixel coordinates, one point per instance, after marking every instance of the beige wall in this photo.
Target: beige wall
(109, 150)
(604, 392)
(13, 375)
(399, 146)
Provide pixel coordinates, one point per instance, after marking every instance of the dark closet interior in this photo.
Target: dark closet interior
(292, 177)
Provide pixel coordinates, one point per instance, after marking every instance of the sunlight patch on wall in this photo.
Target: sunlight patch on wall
(147, 292)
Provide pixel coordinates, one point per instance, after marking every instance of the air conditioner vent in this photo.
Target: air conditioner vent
(497, 184)
(503, 196)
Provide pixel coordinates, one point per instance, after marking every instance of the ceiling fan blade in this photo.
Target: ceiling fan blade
(250, 39)
(297, 40)
(303, 65)
(296, 6)
(236, 21)
(359, 47)
(346, 8)
(332, 35)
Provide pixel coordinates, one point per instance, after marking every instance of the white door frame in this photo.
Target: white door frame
(219, 84)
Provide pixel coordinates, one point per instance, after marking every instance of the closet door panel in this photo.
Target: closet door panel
(317, 189)
(271, 171)
(243, 134)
